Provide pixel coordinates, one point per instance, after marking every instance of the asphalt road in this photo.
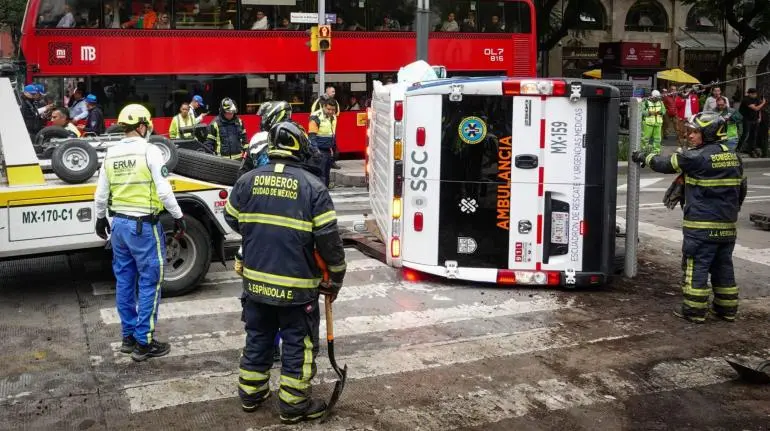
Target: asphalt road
(425, 355)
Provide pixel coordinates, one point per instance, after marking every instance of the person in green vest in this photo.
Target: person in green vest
(734, 121)
(653, 111)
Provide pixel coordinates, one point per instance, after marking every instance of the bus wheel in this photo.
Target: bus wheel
(187, 259)
(74, 161)
(169, 150)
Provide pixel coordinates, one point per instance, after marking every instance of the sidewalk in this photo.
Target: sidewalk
(352, 172)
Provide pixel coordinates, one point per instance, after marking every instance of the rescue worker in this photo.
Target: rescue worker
(321, 131)
(133, 186)
(653, 111)
(330, 94)
(182, 119)
(61, 117)
(734, 121)
(95, 120)
(227, 135)
(714, 191)
(284, 207)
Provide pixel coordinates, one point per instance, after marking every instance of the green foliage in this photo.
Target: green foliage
(11, 17)
(750, 18)
(623, 145)
(556, 20)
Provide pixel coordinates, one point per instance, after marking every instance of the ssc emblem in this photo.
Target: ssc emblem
(472, 130)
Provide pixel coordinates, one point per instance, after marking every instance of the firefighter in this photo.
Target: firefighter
(133, 186)
(321, 130)
(227, 135)
(653, 111)
(283, 214)
(270, 113)
(714, 191)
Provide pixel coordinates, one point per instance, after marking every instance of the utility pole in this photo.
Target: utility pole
(321, 53)
(422, 28)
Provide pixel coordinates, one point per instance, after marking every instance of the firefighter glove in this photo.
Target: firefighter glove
(330, 288)
(180, 227)
(675, 193)
(639, 157)
(102, 227)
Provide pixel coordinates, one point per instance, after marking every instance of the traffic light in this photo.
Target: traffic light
(313, 43)
(324, 38)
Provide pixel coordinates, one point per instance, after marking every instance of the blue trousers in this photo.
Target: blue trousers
(137, 261)
(326, 160)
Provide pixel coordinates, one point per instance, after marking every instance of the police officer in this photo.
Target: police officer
(227, 135)
(133, 184)
(321, 130)
(283, 213)
(30, 111)
(714, 192)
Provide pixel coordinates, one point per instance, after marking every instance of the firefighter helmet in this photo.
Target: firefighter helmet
(275, 113)
(711, 125)
(288, 139)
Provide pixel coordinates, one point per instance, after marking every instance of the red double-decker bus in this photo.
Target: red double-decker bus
(161, 53)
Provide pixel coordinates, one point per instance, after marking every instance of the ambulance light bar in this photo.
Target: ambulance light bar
(509, 276)
(532, 87)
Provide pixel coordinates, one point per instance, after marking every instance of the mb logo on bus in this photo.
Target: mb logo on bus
(87, 53)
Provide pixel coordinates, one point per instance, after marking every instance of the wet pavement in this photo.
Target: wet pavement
(422, 355)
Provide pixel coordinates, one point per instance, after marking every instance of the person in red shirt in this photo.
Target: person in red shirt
(687, 105)
(669, 120)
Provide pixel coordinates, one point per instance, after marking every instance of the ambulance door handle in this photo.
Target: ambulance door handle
(526, 161)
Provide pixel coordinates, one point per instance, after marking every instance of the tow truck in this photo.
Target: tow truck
(493, 179)
(42, 214)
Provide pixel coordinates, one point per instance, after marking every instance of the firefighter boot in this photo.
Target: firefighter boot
(678, 313)
(315, 410)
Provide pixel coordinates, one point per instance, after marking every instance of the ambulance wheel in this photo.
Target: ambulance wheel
(187, 259)
(169, 150)
(74, 161)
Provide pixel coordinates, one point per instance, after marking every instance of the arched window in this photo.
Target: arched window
(700, 20)
(647, 15)
(593, 16)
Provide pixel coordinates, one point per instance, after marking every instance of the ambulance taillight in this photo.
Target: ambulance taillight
(533, 87)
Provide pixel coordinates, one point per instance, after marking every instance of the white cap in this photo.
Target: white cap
(655, 93)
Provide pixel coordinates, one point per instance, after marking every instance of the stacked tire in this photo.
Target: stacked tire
(207, 167)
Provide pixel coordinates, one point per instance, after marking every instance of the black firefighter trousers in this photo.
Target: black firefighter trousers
(299, 327)
(699, 259)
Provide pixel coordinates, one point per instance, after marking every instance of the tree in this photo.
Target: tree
(750, 18)
(11, 17)
(555, 23)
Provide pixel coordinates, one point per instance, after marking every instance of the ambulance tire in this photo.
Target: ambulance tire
(75, 161)
(169, 150)
(187, 259)
(52, 132)
(114, 129)
(207, 167)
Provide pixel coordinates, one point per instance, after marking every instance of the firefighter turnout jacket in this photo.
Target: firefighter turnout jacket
(714, 189)
(283, 213)
(226, 137)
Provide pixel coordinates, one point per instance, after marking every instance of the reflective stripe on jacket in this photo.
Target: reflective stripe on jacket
(322, 136)
(283, 213)
(178, 122)
(227, 137)
(653, 112)
(714, 189)
(131, 186)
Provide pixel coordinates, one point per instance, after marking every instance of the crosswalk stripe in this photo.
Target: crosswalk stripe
(347, 200)
(355, 192)
(212, 386)
(355, 325)
(643, 182)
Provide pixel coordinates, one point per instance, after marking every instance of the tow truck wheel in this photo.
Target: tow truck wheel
(169, 150)
(187, 258)
(74, 161)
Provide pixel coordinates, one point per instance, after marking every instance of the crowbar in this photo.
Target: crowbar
(342, 373)
(752, 375)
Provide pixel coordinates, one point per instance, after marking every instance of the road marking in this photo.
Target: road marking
(356, 192)
(755, 255)
(206, 307)
(378, 362)
(355, 261)
(643, 182)
(356, 325)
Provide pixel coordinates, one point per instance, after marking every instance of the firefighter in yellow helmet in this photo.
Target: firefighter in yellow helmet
(134, 189)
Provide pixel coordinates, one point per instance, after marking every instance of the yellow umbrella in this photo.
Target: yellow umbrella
(678, 75)
(595, 73)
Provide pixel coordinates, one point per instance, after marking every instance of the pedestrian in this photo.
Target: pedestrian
(687, 105)
(133, 187)
(733, 121)
(714, 190)
(30, 111)
(284, 214)
(670, 125)
(653, 112)
(711, 102)
(321, 131)
(95, 119)
(751, 107)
